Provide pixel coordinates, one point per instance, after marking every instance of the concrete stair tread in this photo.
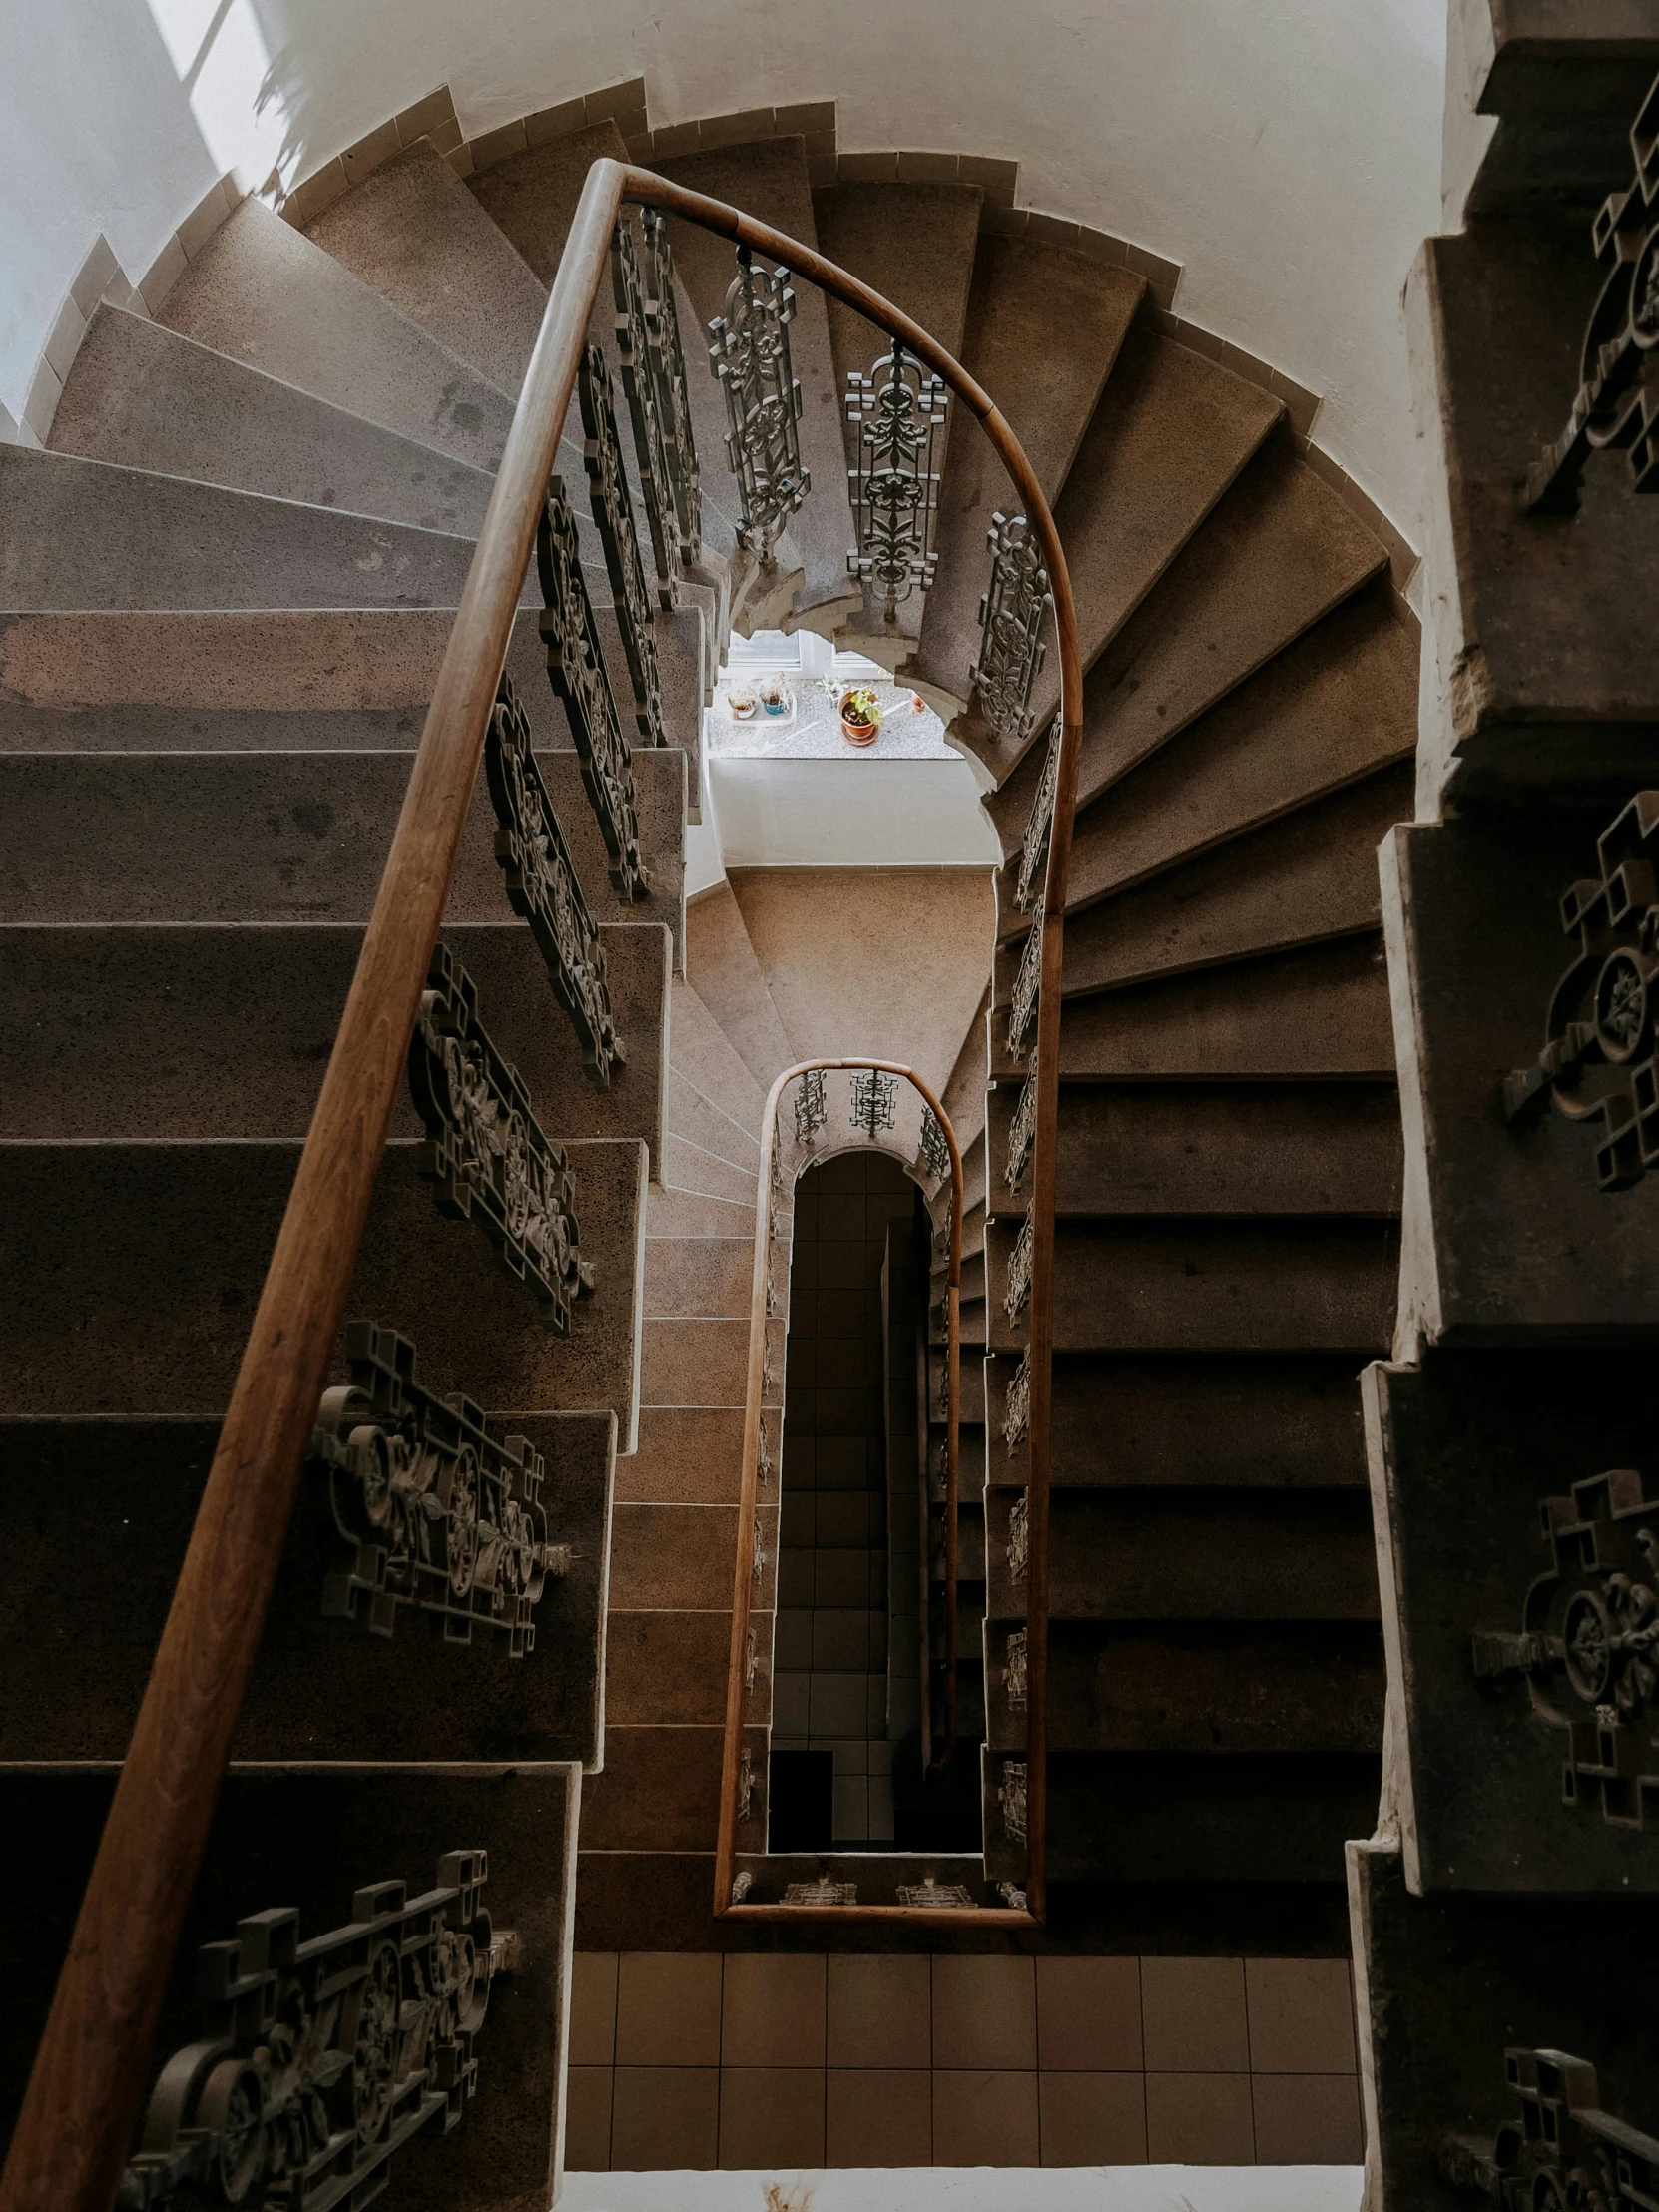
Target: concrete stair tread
(698, 1278)
(963, 1097)
(690, 1168)
(142, 396)
(262, 293)
(413, 233)
(698, 1049)
(1043, 329)
(722, 968)
(683, 1213)
(701, 1122)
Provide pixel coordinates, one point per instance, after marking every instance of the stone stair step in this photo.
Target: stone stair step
(82, 534)
(963, 1096)
(1163, 1554)
(1043, 328)
(702, 1123)
(413, 233)
(282, 837)
(698, 1276)
(688, 1456)
(681, 1213)
(322, 1688)
(699, 1050)
(1284, 1285)
(701, 1360)
(261, 291)
(769, 181)
(972, 1409)
(531, 196)
(688, 1168)
(1308, 877)
(141, 397)
(1235, 1817)
(216, 1030)
(307, 1836)
(131, 1274)
(722, 968)
(1213, 1149)
(1286, 1420)
(1200, 1687)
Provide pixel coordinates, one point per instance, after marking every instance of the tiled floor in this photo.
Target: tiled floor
(754, 2060)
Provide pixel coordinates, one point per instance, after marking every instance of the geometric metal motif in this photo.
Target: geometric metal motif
(1600, 1059)
(1019, 1288)
(821, 1891)
(1034, 851)
(749, 358)
(437, 1513)
(1022, 1131)
(811, 1111)
(1011, 648)
(641, 389)
(1022, 1010)
(667, 369)
(1013, 1793)
(317, 2060)
(1019, 1545)
(931, 1894)
(935, 1153)
(893, 487)
(875, 1099)
(1563, 2153)
(613, 512)
(576, 671)
(1588, 1645)
(485, 1148)
(1616, 406)
(543, 888)
(1016, 1405)
(1013, 1680)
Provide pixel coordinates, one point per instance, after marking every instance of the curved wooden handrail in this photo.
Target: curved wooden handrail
(75, 2124)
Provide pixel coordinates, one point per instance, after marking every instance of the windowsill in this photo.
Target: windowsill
(813, 730)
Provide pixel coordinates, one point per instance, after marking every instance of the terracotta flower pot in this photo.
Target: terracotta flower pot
(859, 733)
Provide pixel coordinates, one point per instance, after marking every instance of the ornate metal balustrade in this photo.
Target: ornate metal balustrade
(1560, 2152)
(436, 1515)
(646, 380)
(613, 513)
(933, 1152)
(810, 1110)
(485, 1150)
(1588, 1643)
(576, 670)
(1019, 1288)
(1617, 402)
(319, 2060)
(1600, 1060)
(1033, 856)
(899, 414)
(751, 359)
(875, 1099)
(1012, 614)
(1023, 1131)
(1023, 1003)
(543, 888)
(1016, 1405)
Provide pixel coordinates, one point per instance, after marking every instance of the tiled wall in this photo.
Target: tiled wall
(759, 2059)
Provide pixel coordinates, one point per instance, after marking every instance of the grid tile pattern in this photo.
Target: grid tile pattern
(762, 2059)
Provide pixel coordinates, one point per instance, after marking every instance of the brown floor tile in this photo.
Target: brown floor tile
(667, 2009)
(1092, 2119)
(879, 2118)
(771, 2116)
(664, 2117)
(1192, 2015)
(593, 2009)
(771, 2009)
(880, 2011)
(688, 1456)
(1300, 2016)
(1089, 2014)
(588, 2120)
(1308, 2120)
(673, 1555)
(1198, 2119)
(984, 2119)
(984, 2013)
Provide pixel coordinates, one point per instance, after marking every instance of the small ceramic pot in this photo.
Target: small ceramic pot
(777, 705)
(859, 733)
(742, 704)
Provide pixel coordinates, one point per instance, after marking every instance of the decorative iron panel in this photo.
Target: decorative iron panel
(1588, 1643)
(673, 392)
(1022, 1131)
(1017, 1289)
(613, 513)
(641, 389)
(1022, 1008)
(1013, 1673)
(1011, 616)
(751, 359)
(319, 2060)
(811, 1111)
(1560, 2152)
(1018, 1548)
(1600, 1060)
(543, 887)
(1016, 1405)
(435, 1513)
(1033, 856)
(934, 1150)
(899, 414)
(485, 1150)
(933, 1896)
(1012, 1796)
(874, 1101)
(576, 670)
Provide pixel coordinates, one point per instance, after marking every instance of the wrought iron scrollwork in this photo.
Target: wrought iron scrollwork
(319, 2060)
(874, 1100)
(1013, 1798)
(934, 1895)
(1011, 616)
(810, 1110)
(436, 1513)
(1016, 1405)
(1022, 1007)
(750, 356)
(641, 389)
(1588, 1643)
(1013, 1673)
(898, 413)
(543, 887)
(485, 1150)
(1033, 856)
(934, 1150)
(1019, 1540)
(668, 365)
(1617, 405)
(1019, 1288)
(821, 1891)
(1022, 1131)
(1600, 1059)
(1560, 2152)
(613, 513)
(576, 670)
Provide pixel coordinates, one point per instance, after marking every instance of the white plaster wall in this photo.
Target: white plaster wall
(1285, 151)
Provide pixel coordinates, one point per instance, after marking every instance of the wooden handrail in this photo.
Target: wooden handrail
(75, 2126)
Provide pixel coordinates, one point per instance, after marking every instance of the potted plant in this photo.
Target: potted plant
(739, 698)
(860, 714)
(774, 695)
